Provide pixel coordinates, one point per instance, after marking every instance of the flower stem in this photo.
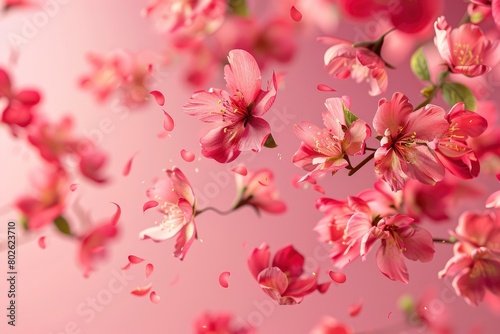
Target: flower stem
(436, 88)
(210, 208)
(361, 164)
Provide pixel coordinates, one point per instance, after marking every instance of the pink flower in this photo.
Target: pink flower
(120, 72)
(476, 260)
(18, 110)
(93, 243)
(56, 142)
(343, 226)
(465, 49)
(219, 323)
(284, 279)
(493, 200)
(452, 150)
(172, 15)
(480, 9)
(258, 190)
(400, 238)
(323, 150)
(177, 204)
(343, 60)
(237, 113)
(408, 142)
(329, 325)
(48, 201)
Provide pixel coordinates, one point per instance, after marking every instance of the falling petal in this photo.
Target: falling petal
(128, 166)
(148, 205)
(162, 134)
(295, 14)
(337, 277)
(116, 216)
(135, 259)
(150, 68)
(155, 299)
(389, 315)
(187, 156)
(355, 309)
(149, 270)
(41, 242)
(174, 281)
(325, 88)
(319, 189)
(168, 123)
(141, 291)
(160, 99)
(73, 186)
(323, 287)
(223, 279)
(127, 266)
(240, 170)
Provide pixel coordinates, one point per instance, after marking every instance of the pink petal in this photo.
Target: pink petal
(160, 99)
(243, 75)
(223, 279)
(325, 88)
(337, 277)
(73, 187)
(319, 189)
(154, 298)
(355, 309)
(168, 123)
(41, 242)
(127, 266)
(295, 14)
(323, 287)
(135, 259)
(128, 166)
(162, 134)
(389, 315)
(187, 156)
(117, 214)
(240, 170)
(148, 205)
(141, 291)
(149, 270)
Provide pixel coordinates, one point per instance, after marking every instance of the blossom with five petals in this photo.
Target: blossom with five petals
(324, 150)
(237, 113)
(408, 141)
(177, 203)
(466, 49)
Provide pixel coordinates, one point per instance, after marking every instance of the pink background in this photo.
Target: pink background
(53, 294)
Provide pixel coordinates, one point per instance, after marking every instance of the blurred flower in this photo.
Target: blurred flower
(329, 325)
(219, 323)
(478, 10)
(93, 243)
(476, 260)
(19, 104)
(48, 200)
(177, 204)
(493, 200)
(284, 279)
(344, 60)
(466, 49)
(408, 141)
(121, 72)
(237, 112)
(452, 149)
(56, 142)
(258, 190)
(323, 150)
(10, 4)
(172, 15)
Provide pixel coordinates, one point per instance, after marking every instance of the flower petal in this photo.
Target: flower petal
(223, 277)
(243, 75)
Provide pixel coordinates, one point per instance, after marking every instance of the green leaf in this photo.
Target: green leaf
(419, 65)
(349, 116)
(270, 143)
(238, 7)
(454, 92)
(62, 225)
(428, 91)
